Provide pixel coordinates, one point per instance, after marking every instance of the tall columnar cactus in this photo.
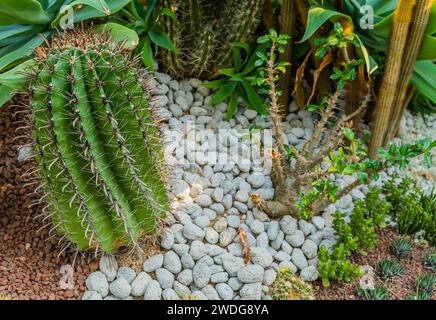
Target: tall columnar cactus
(96, 144)
(203, 31)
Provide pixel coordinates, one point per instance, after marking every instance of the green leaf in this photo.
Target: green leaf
(22, 12)
(233, 105)
(224, 92)
(147, 55)
(215, 84)
(423, 79)
(161, 39)
(88, 9)
(24, 51)
(6, 94)
(119, 33)
(227, 72)
(254, 99)
(15, 78)
(317, 17)
(362, 176)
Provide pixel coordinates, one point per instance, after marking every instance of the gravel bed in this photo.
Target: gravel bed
(213, 174)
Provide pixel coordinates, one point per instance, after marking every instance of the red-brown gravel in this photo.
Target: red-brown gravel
(29, 264)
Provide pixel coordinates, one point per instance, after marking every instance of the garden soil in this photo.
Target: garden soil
(32, 265)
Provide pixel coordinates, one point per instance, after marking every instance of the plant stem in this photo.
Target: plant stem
(419, 26)
(287, 24)
(389, 87)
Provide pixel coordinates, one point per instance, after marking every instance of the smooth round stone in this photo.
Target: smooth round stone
(167, 239)
(153, 291)
(120, 288)
(296, 239)
(198, 250)
(127, 273)
(261, 256)
(256, 180)
(187, 261)
(318, 222)
(233, 221)
(306, 227)
(97, 282)
(212, 236)
(309, 249)
(269, 277)
(227, 236)
(224, 291)
(220, 225)
(309, 274)
(242, 196)
(250, 274)
(172, 262)
(202, 221)
(153, 263)
(288, 225)
(257, 227)
(219, 277)
(165, 278)
(282, 256)
(92, 295)
(201, 275)
(299, 259)
(273, 230)
(185, 277)
(140, 283)
(169, 294)
(108, 266)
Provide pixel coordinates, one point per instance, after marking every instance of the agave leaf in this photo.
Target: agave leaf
(120, 33)
(22, 12)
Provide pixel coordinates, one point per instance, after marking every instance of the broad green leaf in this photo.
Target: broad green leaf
(215, 84)
(103, 9)
(22, 12)
(147, 55)
(6, 94)
(349, 134)
(161, 39)
(255, 100)
(317, 17)
(233, 105)
(15, 78)
(428, 49)
(227, 72)
(423, 79)
(119, 33)
(224, 92)
(25, 50)
(151, 4)
(16, 30)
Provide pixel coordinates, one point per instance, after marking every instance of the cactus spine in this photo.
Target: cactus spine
(96, 144)
(203, 31)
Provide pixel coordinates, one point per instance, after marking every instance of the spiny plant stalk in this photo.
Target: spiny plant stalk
(287, 25)
(96, 143)
(302, 176)
(414, 43)
(203, 32)
(389, 88)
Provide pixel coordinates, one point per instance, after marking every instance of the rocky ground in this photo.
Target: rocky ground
(200, 254)
(32, 263)
(213, 175)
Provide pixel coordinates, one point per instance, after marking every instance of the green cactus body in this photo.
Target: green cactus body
(203, 31)
(96, 144)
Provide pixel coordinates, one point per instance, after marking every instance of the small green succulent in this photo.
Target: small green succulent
(430, 260)
(401, 248)
(387, 269)
(377, 293)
